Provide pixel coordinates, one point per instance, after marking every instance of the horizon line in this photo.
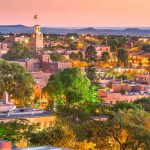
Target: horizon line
(77, 26)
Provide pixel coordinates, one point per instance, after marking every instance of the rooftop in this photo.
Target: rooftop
(41, 148)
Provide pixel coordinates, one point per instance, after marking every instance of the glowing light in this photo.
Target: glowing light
(72, 38)
(26, 41)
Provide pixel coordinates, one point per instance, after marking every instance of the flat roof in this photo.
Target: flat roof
(41, 148)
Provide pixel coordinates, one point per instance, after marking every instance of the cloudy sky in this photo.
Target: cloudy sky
(77, 13)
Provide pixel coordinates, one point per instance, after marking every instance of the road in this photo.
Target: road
(24, 114)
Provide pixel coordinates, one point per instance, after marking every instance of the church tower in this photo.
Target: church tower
(36, 37)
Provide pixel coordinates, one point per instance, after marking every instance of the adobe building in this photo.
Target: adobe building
(139, 58)
(117, 86)
(22, 40)
(42, 63)
(36, 44)
(41, 67)
(100, 49)
(143, 78)
(9, 41)
(113, 98)
(3, 48)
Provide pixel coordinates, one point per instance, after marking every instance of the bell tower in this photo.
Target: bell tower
(36, 37)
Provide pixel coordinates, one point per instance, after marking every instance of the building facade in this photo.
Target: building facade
(36, 44)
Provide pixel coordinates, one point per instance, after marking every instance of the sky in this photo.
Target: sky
(76, 13)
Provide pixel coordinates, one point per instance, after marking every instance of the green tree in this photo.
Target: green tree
(116, 42)
(123, 91)
(71, 87)
(48, 136)
(91, 73)
(76, 114)
(15, 80)
(74, 56)
(146, 48)
(124, 130)
(80, 56)
(105, 57)
(145, 102)
(72, 45)
(110, 73)
(91, 54)
(16, 130)
(61, 136)
(18, 51)
(2, 38)
(122, 105)
(76, 98)
(123, 57)
(55, 56)
(122, 77)
(53, 37)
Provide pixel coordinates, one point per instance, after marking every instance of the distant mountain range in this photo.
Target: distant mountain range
(115, 31)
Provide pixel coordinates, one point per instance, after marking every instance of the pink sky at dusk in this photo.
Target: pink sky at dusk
(76, 13)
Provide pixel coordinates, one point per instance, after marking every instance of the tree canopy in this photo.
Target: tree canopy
(15, 80)
(74, 56)
(145, 102)
(122, 105)
(123, 57)
(2, 38)
(146, 48)
(16, 130)
(126, 129)
(91, 73)
(122, 77)
(90, 54)
(55, 56)
(116, 42)
(17, 51)
(105, 57)
(71, 87)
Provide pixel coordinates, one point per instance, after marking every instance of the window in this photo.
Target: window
(36, 65)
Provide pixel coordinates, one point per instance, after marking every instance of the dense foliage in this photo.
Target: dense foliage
(123, 57)
(16, 130)
(18, 51)
(81, 123)
(15, 80)
(146, 48)
(91, 54)
(71, 87)
(91, 73)
(55, 56)
(125, 128)
(76, 56)
(105, 57)
(145, 102)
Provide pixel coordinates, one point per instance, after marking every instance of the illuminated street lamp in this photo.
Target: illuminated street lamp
(72, 37)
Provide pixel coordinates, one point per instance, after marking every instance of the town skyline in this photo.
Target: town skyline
(83, 13)
(74, 74)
